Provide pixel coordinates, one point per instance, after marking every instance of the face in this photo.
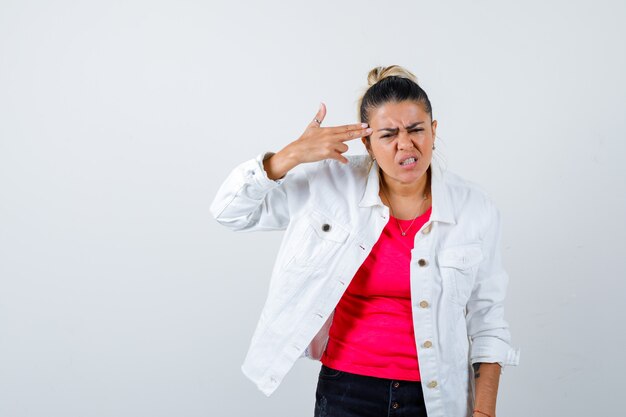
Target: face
(401, 130)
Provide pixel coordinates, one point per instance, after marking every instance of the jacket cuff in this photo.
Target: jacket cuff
(253, 173)
(260, 174)
(493, 350)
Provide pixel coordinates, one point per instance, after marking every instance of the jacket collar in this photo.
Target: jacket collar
(441, 201)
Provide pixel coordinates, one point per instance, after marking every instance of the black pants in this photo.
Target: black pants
(344, 394)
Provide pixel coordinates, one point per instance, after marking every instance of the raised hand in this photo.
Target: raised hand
(315, 144)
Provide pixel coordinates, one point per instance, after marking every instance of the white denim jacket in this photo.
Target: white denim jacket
(332, 216)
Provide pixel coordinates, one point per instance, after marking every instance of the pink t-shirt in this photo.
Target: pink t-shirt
(372, 329)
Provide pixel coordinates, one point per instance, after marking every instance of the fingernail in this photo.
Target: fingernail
(363, 124)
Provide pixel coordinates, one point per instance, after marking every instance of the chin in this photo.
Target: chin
(412, 175)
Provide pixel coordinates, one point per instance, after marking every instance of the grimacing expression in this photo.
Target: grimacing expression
(400, 130)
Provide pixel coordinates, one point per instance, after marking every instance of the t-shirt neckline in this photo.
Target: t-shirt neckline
(410, 220)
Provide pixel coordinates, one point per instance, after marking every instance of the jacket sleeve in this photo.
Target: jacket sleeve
(488, 331)
(248, 200)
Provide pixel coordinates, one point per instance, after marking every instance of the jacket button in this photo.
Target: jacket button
(396, 384)
(432, 384)
(395, 405)
(422, 262)
(326, 227)
(427, 344)
(427, 229)
(423, 303)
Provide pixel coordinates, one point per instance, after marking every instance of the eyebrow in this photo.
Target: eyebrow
(396, 129)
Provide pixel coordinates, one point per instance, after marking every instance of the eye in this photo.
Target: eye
(411, 131)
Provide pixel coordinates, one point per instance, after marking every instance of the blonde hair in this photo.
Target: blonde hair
(379, 73)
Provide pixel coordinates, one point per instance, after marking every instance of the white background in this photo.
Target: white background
(121, 296)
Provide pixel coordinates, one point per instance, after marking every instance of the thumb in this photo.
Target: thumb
(321, 113)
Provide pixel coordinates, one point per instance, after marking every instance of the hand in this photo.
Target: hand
(317, 143)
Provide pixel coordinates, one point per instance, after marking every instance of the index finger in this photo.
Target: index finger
(353, 134)
(347, 128)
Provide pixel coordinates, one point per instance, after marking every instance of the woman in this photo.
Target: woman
(390, 269)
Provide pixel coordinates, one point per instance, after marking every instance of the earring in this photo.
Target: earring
(433, 146)
(371, 161)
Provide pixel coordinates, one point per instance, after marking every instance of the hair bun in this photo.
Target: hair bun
(380, 73)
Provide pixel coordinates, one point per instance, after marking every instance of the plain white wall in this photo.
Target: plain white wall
(121, 296)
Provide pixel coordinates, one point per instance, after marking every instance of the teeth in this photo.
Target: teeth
(408, 161)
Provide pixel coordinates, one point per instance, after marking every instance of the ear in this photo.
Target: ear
(366, 145)
(434, 127)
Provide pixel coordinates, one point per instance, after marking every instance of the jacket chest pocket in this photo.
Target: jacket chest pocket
(320, 238)
(458, 266)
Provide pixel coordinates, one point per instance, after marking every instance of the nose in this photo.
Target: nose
(404, 140)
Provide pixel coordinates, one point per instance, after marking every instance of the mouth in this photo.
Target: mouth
(409, 162)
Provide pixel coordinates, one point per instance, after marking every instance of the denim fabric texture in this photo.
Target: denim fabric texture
(344, 394)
